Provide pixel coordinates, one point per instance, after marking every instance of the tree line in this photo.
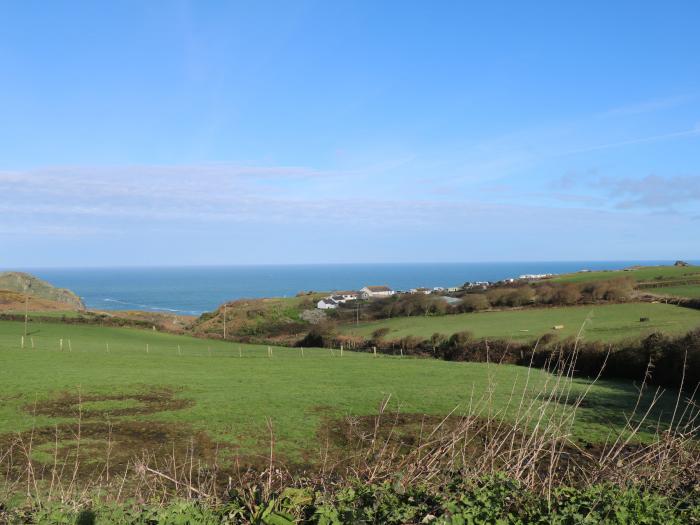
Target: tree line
(668, 361)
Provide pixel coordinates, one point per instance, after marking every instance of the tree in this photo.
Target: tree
(475, 302)
(567, 293)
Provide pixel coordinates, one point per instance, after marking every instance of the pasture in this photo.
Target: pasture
(136, 389)
(691, 291)
(641, 274)
(602, 322)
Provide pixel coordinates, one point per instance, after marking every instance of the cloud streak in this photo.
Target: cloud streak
(653, 191)
(639, 140)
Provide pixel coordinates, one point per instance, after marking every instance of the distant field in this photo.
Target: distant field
(605, 322)
(692, 291)
(179, 386)
(647, 273)
(46, 313)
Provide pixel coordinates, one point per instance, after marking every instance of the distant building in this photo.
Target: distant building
(336, 299)
(327, 303)
(425, 291)
(374, 292)
(536, 276)
(347, 295)
(453, 289)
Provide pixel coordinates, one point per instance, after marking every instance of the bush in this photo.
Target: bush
(494, 499)
(475, 302)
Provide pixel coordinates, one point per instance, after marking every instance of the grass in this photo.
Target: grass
(255, 316)
(48, 313)
(606, 322)
(642, 274)
(691, 291)
(231, 397)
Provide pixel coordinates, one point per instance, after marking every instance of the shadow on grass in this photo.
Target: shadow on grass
(623, 406)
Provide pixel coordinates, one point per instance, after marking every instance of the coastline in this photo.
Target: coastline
(195, 290)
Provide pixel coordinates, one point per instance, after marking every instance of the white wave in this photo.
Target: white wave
(146, 306)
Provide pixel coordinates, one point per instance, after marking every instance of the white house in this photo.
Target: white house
(375, 292)
(327, 303)
(332, 301)
(425, 291)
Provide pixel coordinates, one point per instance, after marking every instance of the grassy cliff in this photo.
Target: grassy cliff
(19, 282)
(271, 318)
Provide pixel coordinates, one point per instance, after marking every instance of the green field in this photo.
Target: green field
(604, 322)
(185, 385)
(691, 291)
(642, 274)
(47, 313)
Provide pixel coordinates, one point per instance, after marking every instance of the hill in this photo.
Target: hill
(276, 318)
(607, 322)
(152, 388)
(13, 302)
(19, 282)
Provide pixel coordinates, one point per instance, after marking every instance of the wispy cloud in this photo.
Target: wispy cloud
(653, 191)
(695, 131)
(56, 201)
(650, 106)
(513, 152)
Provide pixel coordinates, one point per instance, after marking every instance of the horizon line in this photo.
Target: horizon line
(357, 263)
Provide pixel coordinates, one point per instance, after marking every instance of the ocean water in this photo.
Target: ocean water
(194, 290)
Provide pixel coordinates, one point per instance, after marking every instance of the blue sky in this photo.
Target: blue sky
(139, 133)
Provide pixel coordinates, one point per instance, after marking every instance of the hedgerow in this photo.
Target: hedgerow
(494, 500)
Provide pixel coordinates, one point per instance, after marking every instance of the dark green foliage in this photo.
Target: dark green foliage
(660, 359)
(495, 500)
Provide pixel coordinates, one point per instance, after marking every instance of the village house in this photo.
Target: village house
(374, 292)
(347, 295)
(337, 298)
(425, 291)
(327, 303)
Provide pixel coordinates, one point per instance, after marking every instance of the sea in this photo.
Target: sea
(193, 290)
